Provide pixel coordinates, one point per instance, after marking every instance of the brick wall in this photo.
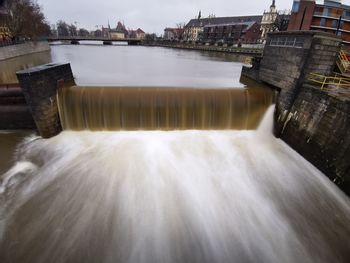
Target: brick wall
(303, 18)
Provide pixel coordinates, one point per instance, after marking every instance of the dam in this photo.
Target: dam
(149, 173)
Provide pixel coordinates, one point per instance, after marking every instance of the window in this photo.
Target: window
(346, 14)
(295, 7)
(341, 24)
(290, 41)
(287, 42)
(323, 22)
(339, 34)
(326, 11)
(299, 42)
(334, 23)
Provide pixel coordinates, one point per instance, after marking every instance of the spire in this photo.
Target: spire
(273, 3)
(200, 14)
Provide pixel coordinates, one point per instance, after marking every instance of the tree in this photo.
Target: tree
(62, 29)
(72, 30)
(98, 33)
(26, 19)
(83, 32)
(151, 37)
(281, 22)
(180, 25)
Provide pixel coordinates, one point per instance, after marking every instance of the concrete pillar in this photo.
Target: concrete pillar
(39, 85)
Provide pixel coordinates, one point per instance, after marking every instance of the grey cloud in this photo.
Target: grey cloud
(151, 15)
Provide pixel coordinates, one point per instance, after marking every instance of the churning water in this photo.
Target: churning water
(180, 196)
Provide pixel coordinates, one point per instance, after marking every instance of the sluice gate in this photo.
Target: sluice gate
(161, 108)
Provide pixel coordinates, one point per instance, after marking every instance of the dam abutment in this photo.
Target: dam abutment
(310, 118)
(39, 86)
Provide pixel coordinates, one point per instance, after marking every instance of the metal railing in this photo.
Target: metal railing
(343, 62)
(324, 82)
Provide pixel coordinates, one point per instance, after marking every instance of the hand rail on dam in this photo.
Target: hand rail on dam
(336, 81)
(343, 62)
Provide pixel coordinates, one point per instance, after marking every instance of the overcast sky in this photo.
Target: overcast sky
(150, 15)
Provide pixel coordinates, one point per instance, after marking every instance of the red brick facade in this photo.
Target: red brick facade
(329, 17)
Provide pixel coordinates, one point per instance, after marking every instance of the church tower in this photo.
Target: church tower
(268, 19)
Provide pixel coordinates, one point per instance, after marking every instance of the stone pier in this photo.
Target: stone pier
(39, 86)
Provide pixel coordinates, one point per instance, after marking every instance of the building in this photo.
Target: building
(267, 22)
(173, 33)
(240, 32)
(193, 31)
(4, 30)
(119, 33)
(137, 34)
(331, 16)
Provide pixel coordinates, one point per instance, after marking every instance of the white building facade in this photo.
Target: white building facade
(268, 20)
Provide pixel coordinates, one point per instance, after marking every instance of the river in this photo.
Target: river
(166, 196)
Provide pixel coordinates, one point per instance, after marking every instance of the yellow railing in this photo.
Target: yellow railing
(343, 61)
(343, 56)
(335, 82)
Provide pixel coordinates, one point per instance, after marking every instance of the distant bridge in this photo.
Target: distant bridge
(105, 40)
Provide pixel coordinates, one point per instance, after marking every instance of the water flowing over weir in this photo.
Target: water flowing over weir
(163, 108)
(176, 196)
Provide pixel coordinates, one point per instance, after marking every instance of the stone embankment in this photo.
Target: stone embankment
(14, 111)
(22, 49)
(313, 121)
(254, 50)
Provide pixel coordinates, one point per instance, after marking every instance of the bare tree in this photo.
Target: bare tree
(151, 37)
(62, 29)
(72, 30)
(26, 19)
(282, 21)
(180, 25)
(83, 32)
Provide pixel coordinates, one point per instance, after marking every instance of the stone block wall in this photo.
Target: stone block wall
(23, 49)
(14, 112)
(289, 57)
(39, 87)
(318, 127)
(315, 123)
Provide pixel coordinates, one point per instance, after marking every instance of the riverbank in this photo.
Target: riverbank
(253, 50)
(13, 51)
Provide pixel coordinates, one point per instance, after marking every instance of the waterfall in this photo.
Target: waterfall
(136, 108)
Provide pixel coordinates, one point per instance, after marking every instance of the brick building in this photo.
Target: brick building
(194, 30)
(243, 32)
(331, 16)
